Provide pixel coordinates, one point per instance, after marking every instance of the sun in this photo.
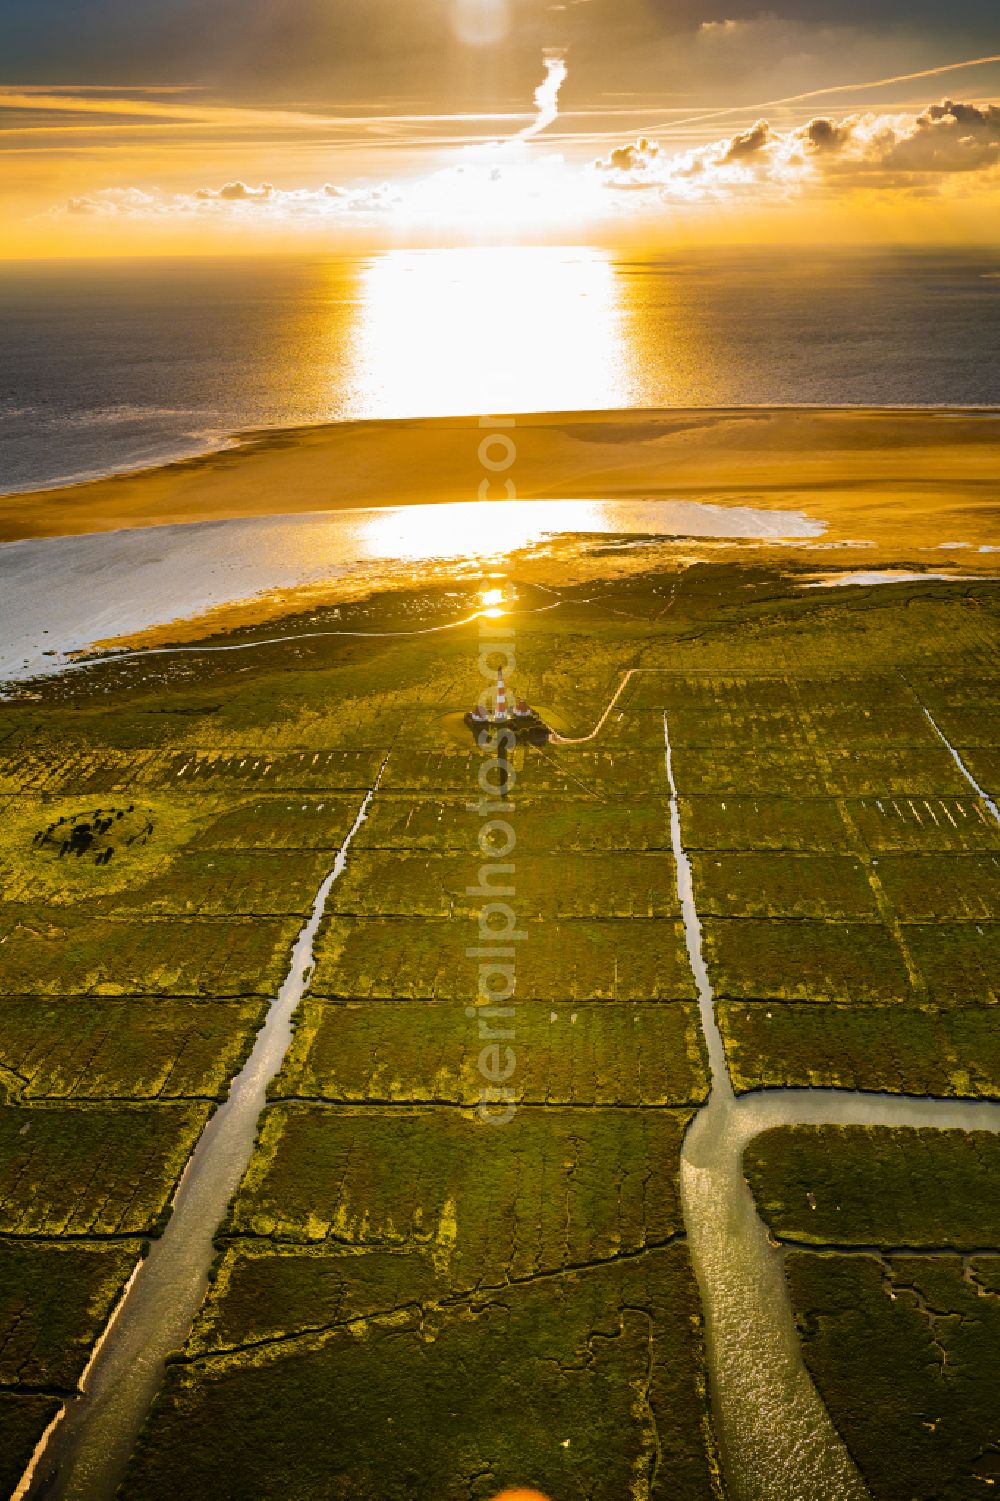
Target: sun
(520, 1495)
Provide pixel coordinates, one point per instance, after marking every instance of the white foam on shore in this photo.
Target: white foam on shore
(59, 595)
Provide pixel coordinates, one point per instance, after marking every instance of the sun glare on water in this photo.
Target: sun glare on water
(500, 329)
(473, 529)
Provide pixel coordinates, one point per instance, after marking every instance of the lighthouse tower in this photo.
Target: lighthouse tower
(500, 707)
(519, 718)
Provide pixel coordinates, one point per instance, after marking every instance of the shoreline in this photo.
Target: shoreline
(837, 460)
(240, 439)
(158, 582)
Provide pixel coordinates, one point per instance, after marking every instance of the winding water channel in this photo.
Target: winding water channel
(776, 1439)
(87, 1451)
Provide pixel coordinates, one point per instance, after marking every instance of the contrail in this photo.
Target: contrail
(547, 96)
(840, 88)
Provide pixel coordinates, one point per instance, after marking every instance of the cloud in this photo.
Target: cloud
(749, 143)
(547, 95)
(170, 109)
(727, 168)
(827, 135)
(965, 15)
(898, 150)
(638, 157)
(497, 180)
(237, 192)
(113, 200)
(236, 201)
(387, 41)
(841, 88)
(948, 137)
(508, 182)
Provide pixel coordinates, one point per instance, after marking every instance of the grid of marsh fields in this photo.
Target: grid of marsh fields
(405, 1301)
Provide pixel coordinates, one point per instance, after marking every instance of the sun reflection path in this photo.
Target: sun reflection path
(488, 329)
(473, 529)
(490, 530)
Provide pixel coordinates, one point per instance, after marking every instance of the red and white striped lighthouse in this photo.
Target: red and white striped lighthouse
(500, 708)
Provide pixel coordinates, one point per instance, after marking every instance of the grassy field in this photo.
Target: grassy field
(54, 1301)
(847, 877)
(860, 1185)
(576, 1054)
(928, 1050)
(544, 826)
(771, 883)
(896, 1300)
(73, 953)
(24, 1417)
(391, 883)
(590, 1385)
(577, 960)
(906, 1346)
(788, 960)
(153, 885)
(92, 1048)
(528, 1199)
(386, 1248)
(94, 1170)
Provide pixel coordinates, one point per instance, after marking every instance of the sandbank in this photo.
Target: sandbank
(916, 476)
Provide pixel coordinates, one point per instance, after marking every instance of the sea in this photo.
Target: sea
(113, 365)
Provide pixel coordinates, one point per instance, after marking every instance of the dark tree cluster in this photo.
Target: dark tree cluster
(82, 834)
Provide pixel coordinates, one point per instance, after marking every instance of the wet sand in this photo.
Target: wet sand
(921, 477)
(147, 586)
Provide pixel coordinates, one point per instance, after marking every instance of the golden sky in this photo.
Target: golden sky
(174, 126)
